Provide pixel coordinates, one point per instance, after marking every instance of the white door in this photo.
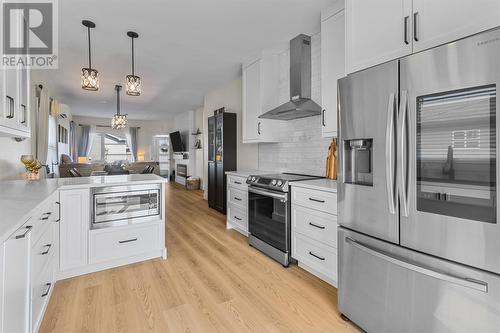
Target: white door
(333, 68)
(439, 22)
(251, 102)
(16, 296)
(375, 31)
(73, 228)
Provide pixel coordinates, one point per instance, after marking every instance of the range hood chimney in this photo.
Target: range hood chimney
(300, 105)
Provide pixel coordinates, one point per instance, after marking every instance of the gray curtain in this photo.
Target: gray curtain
(85, 142)
(73, 149)
(131, 137)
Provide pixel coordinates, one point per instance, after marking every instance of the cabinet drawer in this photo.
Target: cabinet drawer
(43, 250)
(237, 197)
(237, 181)
(111, 243)
(319, 200)
(238, 217)
(319, 226)
(40, 292)
(43, 216)
(317, 256)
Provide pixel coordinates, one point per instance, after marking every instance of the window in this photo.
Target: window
(109, 148)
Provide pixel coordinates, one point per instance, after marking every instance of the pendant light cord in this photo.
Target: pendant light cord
(90, 56)
(118, 100)
(133, 73)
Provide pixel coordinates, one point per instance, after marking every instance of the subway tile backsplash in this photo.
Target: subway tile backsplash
(301, 148)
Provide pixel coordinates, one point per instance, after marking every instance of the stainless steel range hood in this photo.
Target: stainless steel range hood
(300, 105)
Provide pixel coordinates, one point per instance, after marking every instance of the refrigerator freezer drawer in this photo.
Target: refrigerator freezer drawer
(387, 288)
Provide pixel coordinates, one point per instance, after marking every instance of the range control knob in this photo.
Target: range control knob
(273, 182)
(280, 183)
(253, 179)
(249, 178)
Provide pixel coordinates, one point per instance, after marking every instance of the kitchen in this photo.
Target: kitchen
(395, 105)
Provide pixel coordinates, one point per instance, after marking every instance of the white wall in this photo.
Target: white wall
(148, 129)
(230, 97)
(10, 155)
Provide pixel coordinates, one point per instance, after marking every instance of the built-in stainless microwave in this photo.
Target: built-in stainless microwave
(119, 205)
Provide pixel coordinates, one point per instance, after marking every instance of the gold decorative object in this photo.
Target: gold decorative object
(32, 166)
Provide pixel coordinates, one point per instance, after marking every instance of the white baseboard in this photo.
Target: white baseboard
(91, 268)
(322, 276)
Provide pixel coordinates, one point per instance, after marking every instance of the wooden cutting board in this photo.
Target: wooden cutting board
(331, 160)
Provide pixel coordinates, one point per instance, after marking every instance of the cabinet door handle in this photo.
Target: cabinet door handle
(323, 117)
(317, 225)
(236, 198)
(127, 240)
(28, 229)
(23, 109)
(317, 200)
(236, 217)
(258, 128)
(46, 216)
(10, 105)
(405, 24)
(415, 26)
(238, 183)
(49, 285)
(316, 256)
(46, 251)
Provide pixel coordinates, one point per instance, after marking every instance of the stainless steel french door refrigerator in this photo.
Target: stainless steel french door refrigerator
(419, 243)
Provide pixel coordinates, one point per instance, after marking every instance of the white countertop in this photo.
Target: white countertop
(246, 173)
(323, 184)
(18, 198)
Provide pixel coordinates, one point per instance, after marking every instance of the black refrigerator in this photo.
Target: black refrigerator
(221, 157)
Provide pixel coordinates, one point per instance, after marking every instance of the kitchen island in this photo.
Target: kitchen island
(54, 229)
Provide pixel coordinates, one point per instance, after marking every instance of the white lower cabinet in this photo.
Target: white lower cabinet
(16, 284)
(237, 204)
(74, 228)
(110, 244)
(314, 232)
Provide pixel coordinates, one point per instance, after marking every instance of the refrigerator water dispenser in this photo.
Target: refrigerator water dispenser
(358, 162)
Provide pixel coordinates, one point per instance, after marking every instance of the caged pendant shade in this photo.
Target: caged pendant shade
(119, 120)
(133, 81)
(89, 76)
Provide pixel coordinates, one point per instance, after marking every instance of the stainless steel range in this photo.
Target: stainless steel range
(269, 213)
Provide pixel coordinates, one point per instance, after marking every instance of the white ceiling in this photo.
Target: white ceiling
(186, 48)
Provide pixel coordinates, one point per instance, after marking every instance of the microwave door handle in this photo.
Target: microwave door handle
(462, 281)
(402, 153)
(389, 154)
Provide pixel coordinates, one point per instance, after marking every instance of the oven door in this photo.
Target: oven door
(447, 136)
(116, 206)
(268, 217)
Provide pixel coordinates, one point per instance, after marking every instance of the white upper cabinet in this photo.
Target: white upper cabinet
(251, 102)
(443, 21)
(383, 30)
(14, 97)
(332, 65)
(375, 31)
(259, 82)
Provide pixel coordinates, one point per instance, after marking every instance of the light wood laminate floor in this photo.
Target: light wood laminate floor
(212, 281)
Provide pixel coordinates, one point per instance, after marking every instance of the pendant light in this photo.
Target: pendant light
(90, 76)
(133, 81)
(119, 120)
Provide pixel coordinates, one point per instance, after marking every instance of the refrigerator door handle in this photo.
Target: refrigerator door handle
(402, 167)
(465, 282)
(389, 154)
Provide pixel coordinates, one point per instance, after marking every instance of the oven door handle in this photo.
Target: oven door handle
(283, 197)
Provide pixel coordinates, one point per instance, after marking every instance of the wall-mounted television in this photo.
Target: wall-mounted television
(176, 140)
